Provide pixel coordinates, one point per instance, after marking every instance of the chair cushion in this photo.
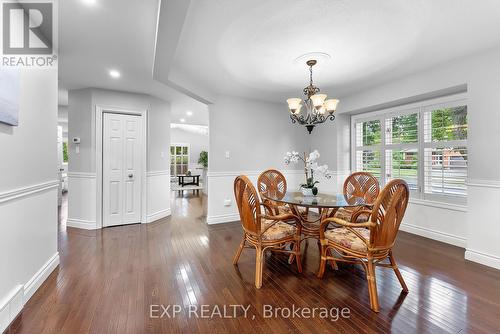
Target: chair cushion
(346, 238)
(277, 231)
(346, 214)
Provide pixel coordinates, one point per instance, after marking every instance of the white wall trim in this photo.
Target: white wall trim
(440, 205)
(40, 276)
(482, 258)
(27, 191)
(158, 172)
(258, 172)
(483, 183)
(10, 306)
(81, 175)
(434, 235)
(158, 215)
(254, 173)
(220, 219)
(81, 223)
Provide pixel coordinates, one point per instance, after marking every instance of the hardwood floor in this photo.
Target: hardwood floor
(108, 279)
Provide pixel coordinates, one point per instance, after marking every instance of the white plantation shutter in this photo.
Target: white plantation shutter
(425, 145)
(445, 150)
(368, 147)
(445, 170)
(401, 147)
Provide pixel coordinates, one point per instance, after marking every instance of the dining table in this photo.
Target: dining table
(326, 204)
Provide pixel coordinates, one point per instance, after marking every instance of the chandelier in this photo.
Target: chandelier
(317, 108)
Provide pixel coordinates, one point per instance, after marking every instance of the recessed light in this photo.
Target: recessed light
(114, 74)
(189, 113)
(183, 120)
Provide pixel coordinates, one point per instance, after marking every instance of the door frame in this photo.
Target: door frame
(99, 123)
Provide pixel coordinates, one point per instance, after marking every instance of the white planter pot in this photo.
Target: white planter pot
(307, 191)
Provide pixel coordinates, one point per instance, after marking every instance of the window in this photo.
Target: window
(179, 159)
(65, 151)
(425, 145)
(445, 145)
(368, 139)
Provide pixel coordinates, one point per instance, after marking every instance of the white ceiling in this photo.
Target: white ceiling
(247, 48)
(115, 34)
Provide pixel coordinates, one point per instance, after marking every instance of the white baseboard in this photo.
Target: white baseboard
(482, 258)
(435, 235)
(81, 223)
(158, 215)
(227, 218)
(36, 281)
(10, 306)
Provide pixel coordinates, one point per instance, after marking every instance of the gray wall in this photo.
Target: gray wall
(82, 105)
(28, 190)
(256, 134)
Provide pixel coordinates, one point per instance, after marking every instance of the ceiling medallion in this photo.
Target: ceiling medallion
(317, 108)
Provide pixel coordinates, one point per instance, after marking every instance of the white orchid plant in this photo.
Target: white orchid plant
(311, 166)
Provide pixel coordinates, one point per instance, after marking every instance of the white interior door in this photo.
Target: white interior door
(122, 169)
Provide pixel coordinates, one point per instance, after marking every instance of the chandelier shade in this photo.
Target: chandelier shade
(317, 108)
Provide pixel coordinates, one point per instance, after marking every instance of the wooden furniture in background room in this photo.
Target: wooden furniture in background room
(360, 185)
(195, 180)
(369, 243)
(264, 232)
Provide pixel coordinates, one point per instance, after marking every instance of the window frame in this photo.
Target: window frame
(420, 108)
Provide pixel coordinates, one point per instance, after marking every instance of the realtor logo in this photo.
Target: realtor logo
(27, 28)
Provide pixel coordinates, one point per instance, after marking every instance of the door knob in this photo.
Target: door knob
(131, 176)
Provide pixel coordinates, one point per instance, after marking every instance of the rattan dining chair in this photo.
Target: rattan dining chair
(369, 243)
(358, 185)
(273, 181)
(264, 232)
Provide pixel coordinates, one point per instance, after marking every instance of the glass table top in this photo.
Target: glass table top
(318, 201)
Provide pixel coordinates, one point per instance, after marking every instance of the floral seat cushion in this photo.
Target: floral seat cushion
(283, 209)
(348, 239)
(346, 214)
(278, 231)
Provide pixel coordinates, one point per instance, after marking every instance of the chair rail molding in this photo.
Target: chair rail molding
(258, 172)
(81, 175)
(248, 173)
(483, 183)
(10, 195)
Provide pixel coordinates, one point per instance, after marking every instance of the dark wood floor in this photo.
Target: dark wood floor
(108, 279)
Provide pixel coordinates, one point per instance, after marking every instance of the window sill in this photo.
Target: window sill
(440, 205)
